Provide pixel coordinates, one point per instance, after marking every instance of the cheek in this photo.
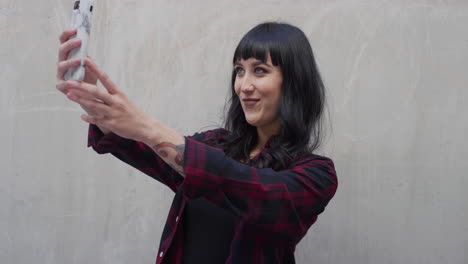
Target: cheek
(273, 93)
(236, 88)
(277, 92)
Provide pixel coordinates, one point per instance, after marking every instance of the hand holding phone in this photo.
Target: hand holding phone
(81, 20)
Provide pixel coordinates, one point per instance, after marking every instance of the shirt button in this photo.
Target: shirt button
(177, 219)
(161, 254)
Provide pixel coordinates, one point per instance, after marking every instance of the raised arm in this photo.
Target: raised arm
(139, 155)
(136, 154)
(132, 137)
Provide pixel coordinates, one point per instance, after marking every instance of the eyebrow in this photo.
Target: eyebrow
(255, 64)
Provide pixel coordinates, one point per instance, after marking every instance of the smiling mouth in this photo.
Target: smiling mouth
(250, 102)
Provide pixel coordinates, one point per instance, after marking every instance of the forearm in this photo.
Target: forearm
(168, 144)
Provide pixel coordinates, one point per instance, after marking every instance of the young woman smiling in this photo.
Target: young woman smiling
(244, 193)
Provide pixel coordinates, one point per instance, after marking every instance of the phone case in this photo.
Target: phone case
(81, 20)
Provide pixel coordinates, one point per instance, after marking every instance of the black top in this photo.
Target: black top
(209, 231)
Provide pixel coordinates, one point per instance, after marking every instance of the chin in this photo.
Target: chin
(252, 123)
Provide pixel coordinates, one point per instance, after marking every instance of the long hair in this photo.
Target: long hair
(301, 104)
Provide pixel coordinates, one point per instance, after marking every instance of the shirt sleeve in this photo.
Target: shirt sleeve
(286, 201)
(136, 154)
(139, 155)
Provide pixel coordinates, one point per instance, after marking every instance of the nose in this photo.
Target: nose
(247, 84)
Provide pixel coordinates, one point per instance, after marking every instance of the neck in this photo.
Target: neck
(265, 132)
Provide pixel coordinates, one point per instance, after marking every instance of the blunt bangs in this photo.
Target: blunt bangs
(258, 43)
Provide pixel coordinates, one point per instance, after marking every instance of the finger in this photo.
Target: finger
(95, 106)
(85, 95)
(96, 120)
(66, 34)
(102, 76)
(63, 66)
(91, 90)
(66, 47)
(89, 76)
(63, 87)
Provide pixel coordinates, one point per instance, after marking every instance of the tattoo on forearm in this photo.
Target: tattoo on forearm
(178, 162)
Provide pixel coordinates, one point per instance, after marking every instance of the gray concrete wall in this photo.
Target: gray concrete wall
(397, 81)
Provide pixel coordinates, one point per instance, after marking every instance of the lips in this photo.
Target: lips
(250, 102)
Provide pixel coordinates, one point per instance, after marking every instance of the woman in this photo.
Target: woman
(245, 193)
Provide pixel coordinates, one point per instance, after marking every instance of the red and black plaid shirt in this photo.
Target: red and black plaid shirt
(275, 208)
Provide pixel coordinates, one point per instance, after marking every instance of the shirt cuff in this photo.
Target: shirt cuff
(105, 143)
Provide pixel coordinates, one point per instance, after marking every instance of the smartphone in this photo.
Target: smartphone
(81, 20)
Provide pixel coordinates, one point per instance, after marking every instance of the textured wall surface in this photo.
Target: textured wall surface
(397, 82)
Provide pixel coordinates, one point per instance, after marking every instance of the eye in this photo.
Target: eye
(238, 70)
(259, 70)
